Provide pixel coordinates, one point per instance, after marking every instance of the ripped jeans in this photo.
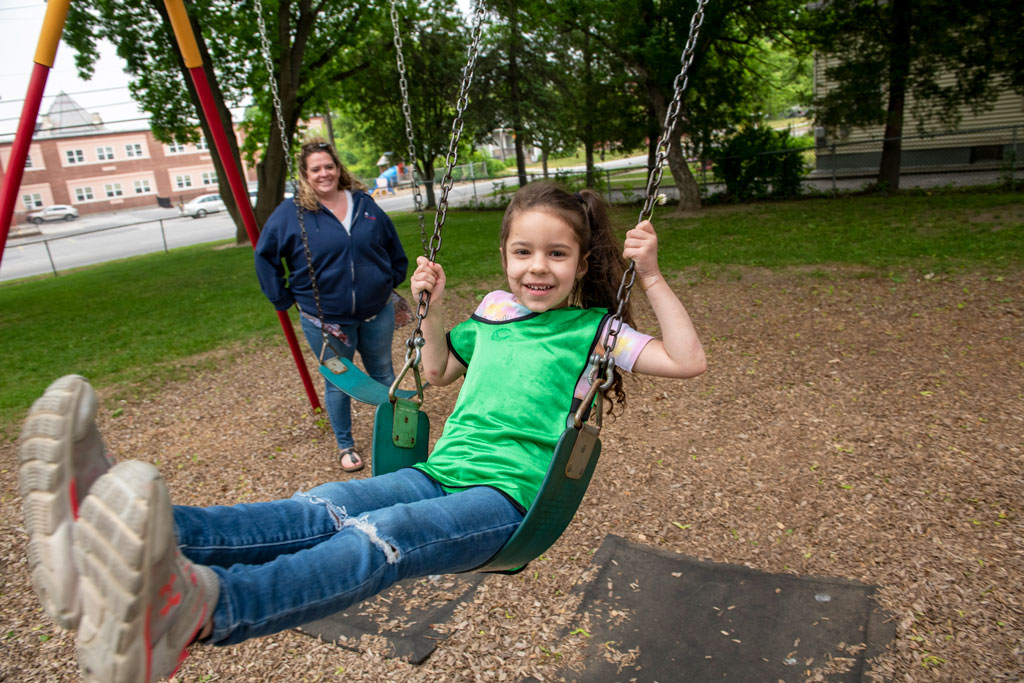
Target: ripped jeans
(288, 562)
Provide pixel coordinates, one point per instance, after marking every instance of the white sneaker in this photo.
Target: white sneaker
(60, 456)
(143, 602)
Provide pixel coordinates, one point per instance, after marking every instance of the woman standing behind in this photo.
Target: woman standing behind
(357, 259)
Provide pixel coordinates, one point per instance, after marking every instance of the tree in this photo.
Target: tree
(434, 48)
(513, 70)
(314, 47)
(727, 75)
(943, 54)
(145, 41)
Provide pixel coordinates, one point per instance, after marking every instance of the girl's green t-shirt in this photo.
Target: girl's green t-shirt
(516, 397)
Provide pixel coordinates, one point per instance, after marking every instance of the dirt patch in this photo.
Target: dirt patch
(847, 427)
(998, 217)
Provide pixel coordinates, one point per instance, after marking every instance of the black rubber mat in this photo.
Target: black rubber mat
(404, 614)
(658, 616)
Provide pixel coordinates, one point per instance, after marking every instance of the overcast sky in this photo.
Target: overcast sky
(105, 94)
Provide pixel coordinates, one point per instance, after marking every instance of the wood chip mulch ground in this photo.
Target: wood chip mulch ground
(848, 426)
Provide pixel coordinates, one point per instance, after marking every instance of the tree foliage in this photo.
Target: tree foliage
(314, 48)
(727, 75)
(434, 47)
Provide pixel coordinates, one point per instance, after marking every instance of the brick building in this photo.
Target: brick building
(73, 159)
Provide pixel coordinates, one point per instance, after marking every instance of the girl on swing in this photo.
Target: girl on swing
(143, 579)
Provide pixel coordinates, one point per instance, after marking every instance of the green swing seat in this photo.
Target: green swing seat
(560, 494)
(346, 375)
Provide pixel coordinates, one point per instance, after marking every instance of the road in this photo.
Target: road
(98, 238)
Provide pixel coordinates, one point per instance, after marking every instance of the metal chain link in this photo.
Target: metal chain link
(611, 333)
(407, 112)
(286, 147)
(416, 338)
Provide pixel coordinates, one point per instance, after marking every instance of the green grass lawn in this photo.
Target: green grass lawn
(132, 322)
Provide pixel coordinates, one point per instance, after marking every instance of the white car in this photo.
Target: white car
(58, 212)
(202, 205)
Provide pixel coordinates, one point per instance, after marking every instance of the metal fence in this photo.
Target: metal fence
(961, 158)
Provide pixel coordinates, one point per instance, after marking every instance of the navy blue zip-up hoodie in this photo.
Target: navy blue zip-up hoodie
(355, 272)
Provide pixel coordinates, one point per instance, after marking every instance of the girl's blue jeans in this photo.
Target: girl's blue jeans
(288, 562)
(372, 338)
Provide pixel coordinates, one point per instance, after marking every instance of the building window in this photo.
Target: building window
(74, 156)
(201, 145)
(183, 181)
(32, 201)
(28, 161)
(175, 148)
(142, 187)
(105, 153)
(83, 194)
(114, 190)
(133, 150)
(209, 177)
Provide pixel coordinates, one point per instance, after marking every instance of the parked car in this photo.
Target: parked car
(202, 205)
(58, 212)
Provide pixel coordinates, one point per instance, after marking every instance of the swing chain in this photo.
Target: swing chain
(611, 334)
(279, 111)
(446, 183)
(407, 113)
(672, 113)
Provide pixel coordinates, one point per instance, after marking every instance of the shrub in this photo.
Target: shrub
(759, 162)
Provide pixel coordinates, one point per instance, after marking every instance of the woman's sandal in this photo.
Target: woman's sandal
(355, 463)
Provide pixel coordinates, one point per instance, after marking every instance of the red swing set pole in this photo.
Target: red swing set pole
(46, 52)
(193, 61)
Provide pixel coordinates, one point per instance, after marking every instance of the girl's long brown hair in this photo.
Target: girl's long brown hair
(306, 197)
(586, 213)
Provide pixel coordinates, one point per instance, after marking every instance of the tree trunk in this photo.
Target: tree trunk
(652, 141)
(428, 182)
(513, 82)
(686, 184)
(272, 170)
(588, 109)
(899, 69)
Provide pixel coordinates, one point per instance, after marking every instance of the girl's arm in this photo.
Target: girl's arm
(679, 352)
(439, 365)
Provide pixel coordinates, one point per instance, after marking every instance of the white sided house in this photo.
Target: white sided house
(990, 142)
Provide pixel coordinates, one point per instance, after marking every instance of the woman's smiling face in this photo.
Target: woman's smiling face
(322, 173)
(542, 260)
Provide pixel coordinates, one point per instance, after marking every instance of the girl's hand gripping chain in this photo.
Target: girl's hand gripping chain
(439, 366)
(428, 277)
(642, 248)
(679, 352)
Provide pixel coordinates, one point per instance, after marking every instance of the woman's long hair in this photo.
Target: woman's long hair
(306, 196)
(586, 213)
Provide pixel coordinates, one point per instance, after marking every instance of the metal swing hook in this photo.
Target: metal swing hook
(413, 354)
(604, 370)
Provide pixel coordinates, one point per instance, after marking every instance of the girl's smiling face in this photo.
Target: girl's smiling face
(542, 260)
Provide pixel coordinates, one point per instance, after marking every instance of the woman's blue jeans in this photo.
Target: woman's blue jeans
(372, 338)
(288, 562)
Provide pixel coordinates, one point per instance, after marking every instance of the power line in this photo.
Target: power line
(80, 92)
(49, 131)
